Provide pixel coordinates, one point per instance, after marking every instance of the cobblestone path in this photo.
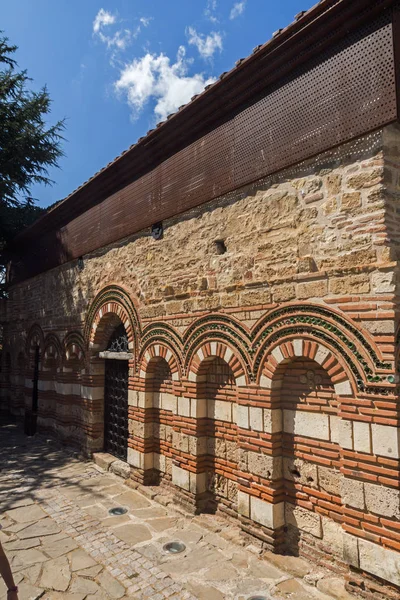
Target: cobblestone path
(63, 543)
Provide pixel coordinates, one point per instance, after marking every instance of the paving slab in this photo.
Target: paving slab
(131, 499)
(81, 560)
(56, 574)
(26, 514)
(113, 588)
(133, 534)
(41, 528)
(84, 586)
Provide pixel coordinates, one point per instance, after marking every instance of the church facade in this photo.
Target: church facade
(218, 307)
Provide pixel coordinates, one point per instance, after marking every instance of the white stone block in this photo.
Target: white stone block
(352, 493)
(213, 346)
(386, 441)
(221, 410)
(298, 347)
(382, 500)
(168, 356)
(169, 402)
(175, 376)
(149, 399)
(346, 434)
(273, 420)
(148, 460)
(135, 458)
(244, 504)
(133, 398)
(350, 550)
(256, 419)
(314, 425)
(159, 462)
(303, 519)
(242, 416)
(343, 388)
(92, 393)
(228, 355)
(379, 561)
(198, 408)
(181, 477)
(334, 428)
(321, 354)
(200, 354)
(241, 381)
(198, 482)
(266, 382)
(192, 376)
(269, 515)
(277, 354)
(183, 407)
(362, 437)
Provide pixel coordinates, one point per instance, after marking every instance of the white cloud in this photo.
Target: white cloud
(121, 38)
(210, 10)
(154, 77)
(145, 21)
(102, 19)
(237, 9)
(206, 45)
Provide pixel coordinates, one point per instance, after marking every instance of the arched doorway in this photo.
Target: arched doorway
(116, 377)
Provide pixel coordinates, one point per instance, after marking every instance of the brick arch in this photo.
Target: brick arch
(112, 305)
(52, 350)
(282, 353)
(35, 338)
(216, 349)
(159, 350)
(73, 349)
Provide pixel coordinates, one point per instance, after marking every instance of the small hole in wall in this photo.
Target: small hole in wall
(220, 247)
(310, 479)
(295, 472)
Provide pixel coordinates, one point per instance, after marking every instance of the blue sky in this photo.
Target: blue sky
(114, 68)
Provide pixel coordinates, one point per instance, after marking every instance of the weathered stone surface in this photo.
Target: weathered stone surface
(28, 557)
(335, 587)
(118, 467)
(81, 560)
(382, 500)
(56, 574)
(103, 460)
(132, 500)
(132, 533)
(303, 519)
(59, 547)
(27, 514)
(39, 529)
(380, 561)
(80, 585)
(353, 493)
(204, 592)
(113, 588)
(292, 564)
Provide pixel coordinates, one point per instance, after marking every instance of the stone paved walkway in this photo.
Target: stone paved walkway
(63, 544)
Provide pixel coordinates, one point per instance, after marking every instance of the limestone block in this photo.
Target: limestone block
(220, 410)
(350, 550)
(380, 561)
(181, 477)
(243, 504)
(269, 467)
(362, 437)
(231, 451)
(306, 424)
(216, 447)
(183, 407)
(346, 434)
(135, 458)
(303, 519)
(334, 428)
(269, 515)
(383, 283)
(300, 471)
(332, 534)
(329, 480)
(386, 440)
(273, 420)
(169, 402)
(353, 493)
(382, 500)
(312, 289)
(197, 482)
(283, 293)
(351, 200)
(159, 462)
(198, 408)
(242, 416)
(243, 459)
(256, 419)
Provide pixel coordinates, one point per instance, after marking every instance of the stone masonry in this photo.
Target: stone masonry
(263, 362)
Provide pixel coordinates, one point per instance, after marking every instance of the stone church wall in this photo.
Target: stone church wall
(263, 376)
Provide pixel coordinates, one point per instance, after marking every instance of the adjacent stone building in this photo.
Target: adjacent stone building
(218, 307)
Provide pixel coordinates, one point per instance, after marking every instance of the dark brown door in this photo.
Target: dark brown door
(116, 408)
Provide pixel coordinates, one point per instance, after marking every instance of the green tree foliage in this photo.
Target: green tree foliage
(29, 146)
